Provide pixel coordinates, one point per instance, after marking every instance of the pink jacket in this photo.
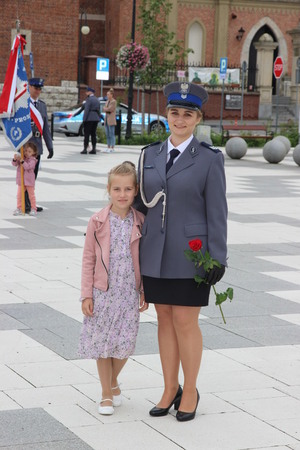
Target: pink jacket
(95, 260)
(29, 175)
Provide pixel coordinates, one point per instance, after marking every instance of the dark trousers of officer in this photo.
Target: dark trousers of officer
(36, 171)
(90, 129)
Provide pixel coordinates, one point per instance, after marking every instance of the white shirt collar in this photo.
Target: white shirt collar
(181, 147)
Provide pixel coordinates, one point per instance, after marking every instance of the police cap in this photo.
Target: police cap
(37, 82)
(90, 89)
(185, 95)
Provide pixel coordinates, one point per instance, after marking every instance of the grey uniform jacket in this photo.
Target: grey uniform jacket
(91, 109)
(196, 207)
(37, 140)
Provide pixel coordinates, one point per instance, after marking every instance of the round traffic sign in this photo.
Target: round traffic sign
(278, 67)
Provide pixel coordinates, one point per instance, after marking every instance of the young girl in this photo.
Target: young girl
(29, 163)
(111, 284)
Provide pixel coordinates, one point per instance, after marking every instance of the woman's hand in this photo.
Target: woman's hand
(214, 275)
(143, 304)
(87, 307)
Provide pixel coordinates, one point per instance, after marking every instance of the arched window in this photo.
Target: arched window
(195, 42)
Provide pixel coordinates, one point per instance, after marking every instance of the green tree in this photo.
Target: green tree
(165, 51)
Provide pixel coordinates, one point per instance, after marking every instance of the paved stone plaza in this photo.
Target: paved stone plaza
(249, 381)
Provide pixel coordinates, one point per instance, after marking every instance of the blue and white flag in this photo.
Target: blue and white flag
(17, 123)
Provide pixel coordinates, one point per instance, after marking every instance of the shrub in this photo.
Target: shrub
(290, 130)
(101, 136)
(144, 138)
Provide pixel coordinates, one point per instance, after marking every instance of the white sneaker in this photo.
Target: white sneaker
(17, 212)
(117, 399)
(107, 150)
(33, 213)
(106, 410)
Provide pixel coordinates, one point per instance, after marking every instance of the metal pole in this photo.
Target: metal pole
(79, 60)
(242, 103)
(101, 93)
(277, 98)
(297, 98)
(131, 79)
(244, 68)
(222, 105)
(297, 111)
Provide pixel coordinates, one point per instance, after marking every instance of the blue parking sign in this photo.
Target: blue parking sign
(102, 70)
(223, 67)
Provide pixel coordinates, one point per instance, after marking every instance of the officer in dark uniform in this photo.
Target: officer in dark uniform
(91, 117)
(35, 87)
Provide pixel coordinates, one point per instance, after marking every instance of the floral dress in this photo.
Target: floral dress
(112, 330)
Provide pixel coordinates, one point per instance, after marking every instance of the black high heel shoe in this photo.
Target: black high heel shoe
(158, 412)
(185, 416)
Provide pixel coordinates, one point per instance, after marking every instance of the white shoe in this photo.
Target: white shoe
(33, 213)
(107, 150)
(17, 212)
(106, 410)
(117, 399)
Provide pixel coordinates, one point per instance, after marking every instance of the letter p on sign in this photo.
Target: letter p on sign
(102, 71)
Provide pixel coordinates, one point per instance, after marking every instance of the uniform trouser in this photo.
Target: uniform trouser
(28, 204)
(30, 194)
(90, 129)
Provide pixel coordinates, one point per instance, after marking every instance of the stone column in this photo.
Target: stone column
(265, 54)
(221, 29)
(295, 88)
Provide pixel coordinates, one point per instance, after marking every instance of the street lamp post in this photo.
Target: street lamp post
(84, 30)
(131, 79)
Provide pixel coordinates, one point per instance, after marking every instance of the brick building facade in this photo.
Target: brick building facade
(241, 30)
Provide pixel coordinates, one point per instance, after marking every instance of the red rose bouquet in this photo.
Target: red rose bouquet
(207, 262)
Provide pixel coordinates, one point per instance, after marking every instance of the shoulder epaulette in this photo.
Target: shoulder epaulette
(152, 143)
(211, 147)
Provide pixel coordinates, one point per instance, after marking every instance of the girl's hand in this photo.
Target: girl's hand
(17, 156)
(143, 304)
(87, 307)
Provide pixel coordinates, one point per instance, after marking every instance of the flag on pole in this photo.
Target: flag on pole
(14, 100)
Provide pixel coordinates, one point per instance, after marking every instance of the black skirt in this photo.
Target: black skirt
(180, 292)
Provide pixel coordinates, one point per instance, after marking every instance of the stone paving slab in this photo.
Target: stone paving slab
(249, 379)
(35, 428)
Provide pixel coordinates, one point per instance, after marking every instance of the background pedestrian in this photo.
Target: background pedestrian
(110, 120)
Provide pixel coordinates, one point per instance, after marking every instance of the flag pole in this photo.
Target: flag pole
(18, 24)
(22, 181)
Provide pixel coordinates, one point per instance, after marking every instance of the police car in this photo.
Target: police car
(65, 122)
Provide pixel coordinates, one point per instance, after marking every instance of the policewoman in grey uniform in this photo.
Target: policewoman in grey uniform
(182, 183)
(35, 87)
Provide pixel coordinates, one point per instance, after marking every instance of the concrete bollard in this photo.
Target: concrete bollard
(274, 151)
(285, 141)
(296, 154)
(236, 147)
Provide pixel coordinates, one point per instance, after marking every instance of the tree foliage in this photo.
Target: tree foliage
(163, 48)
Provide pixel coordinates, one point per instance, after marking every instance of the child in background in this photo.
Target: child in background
(111, 286)
(29, 163)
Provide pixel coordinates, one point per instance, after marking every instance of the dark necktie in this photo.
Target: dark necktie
(173, 154)
(35, 104)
